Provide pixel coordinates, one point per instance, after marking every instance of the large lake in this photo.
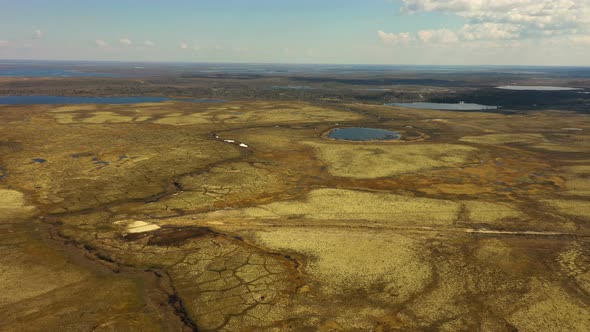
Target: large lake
(58, 100)
(444, 106)
(535, 88)
(41, 72)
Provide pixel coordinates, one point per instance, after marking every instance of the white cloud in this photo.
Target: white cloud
(580, 40)
(149, 43)
(489, 31)
(501, 22)
(37, 34)
(512, 19)
(442, 36)
(3, 43)
(393, 38)
(101, 43)
(183, 45)
(125, 41)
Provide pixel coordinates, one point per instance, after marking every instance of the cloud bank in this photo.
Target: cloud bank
(500, 20)
(37, 34)
(125, 41)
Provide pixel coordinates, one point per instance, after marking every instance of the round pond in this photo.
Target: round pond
(363, 134)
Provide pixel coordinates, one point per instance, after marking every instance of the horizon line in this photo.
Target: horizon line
(295, 63)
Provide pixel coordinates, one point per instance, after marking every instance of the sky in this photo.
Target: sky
(424, 32)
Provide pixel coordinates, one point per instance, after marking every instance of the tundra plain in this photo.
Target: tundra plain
(242, 215)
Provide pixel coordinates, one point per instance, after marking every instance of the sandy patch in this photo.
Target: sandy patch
(13, 205)
(141, 227)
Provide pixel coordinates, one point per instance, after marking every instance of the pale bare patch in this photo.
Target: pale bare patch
(13, 205)
(137, 226)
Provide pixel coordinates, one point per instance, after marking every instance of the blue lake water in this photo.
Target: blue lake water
(291, 87)
(59, 100)
(20, 72)
(363, 134)
(535, 88)
(200, 100)
(444, 106)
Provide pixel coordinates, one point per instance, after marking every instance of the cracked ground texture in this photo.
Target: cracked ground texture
(473, 222)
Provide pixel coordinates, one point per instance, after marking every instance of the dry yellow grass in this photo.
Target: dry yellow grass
(369, 161)
(103, 117)
(11, 199)
(337, 204)
(578, 169)
(577, 179)
(496, 139)
(576, 262)
(191, 114)
(64, 118)
(579, 208)
(578, 186)
(300, 112)
(285, 242)
(13, 205)
(347, 261)
(571, 143)
(548, 307)
(73, 108)
(179, 120)
(390, 209)
(491, 212)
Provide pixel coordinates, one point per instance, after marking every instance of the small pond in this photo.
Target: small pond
(363, 134)
(443, 106)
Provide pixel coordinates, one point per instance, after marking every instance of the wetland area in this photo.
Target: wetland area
(326, 203)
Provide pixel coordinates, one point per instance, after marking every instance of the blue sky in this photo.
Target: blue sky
(302, 31)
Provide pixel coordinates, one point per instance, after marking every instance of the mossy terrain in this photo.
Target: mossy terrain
(242, 216)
